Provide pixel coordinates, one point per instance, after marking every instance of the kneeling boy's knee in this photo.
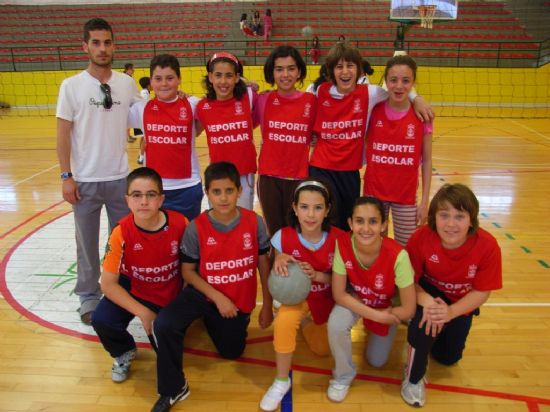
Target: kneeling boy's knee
(446, 359)
(162, 324)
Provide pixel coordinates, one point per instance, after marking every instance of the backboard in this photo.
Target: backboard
(410, 10)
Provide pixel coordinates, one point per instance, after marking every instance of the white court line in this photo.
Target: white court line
(500, 305)
(518, 305)
(504, 165)
(530, 129)
(30, 177)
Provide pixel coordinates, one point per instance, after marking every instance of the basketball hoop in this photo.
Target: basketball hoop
(427, 14)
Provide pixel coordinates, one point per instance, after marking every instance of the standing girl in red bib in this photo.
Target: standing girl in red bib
(286, 117)
(226, 116)
(343, 110)
(369, 269)
(398, 145)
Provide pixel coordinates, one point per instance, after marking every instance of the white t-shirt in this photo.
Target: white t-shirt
(98, 135)
(135, 120)
(145, 94)
(376, 95)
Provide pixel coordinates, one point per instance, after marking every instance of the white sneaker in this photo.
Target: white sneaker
(274, 395)
(414, 393)
(337, 392)
(121, 366)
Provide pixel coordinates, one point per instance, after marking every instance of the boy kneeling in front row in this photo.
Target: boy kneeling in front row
(222, 248)
(141, 270)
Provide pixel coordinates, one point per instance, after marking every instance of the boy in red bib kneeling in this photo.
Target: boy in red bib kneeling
(141, 270)
(222, 248)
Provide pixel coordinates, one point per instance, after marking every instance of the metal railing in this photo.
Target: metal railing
(254, 52)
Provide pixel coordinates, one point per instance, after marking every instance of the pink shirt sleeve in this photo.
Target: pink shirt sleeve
(396, 115)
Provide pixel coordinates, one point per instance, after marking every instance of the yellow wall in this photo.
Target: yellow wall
(436, 84)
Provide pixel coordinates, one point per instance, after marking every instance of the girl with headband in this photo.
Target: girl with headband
(226, 116)
(309, 240)
(286, 117)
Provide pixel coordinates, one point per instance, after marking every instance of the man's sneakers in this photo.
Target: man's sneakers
(164, 403)
(275, 395)
(86, 310)
(414, 393)
(121, 366)
(337, 392)
(140, 159)
(86, 318)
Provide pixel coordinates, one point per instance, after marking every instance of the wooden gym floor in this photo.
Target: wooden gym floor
(47, 367)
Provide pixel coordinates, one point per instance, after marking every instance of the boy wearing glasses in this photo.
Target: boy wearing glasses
(141, 270)
(169, 126)
(92, 113)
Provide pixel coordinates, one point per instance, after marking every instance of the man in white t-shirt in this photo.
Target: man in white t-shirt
(92, 113)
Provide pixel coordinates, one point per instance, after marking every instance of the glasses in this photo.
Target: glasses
(107, 100)
(149, 195)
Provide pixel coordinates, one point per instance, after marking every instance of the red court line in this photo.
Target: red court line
(531, 402)
(13, 229)
(16, 305)
(260, 339)
(533, 407)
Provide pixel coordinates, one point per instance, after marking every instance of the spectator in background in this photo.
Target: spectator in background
(244, 21)
(341, 39)
(244, 25)
(145, 83)
(256, 23)
(323, 77)
(367, 71)
(129, 70)
(315, 51)
(268, 24)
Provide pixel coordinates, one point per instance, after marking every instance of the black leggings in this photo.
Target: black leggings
(446, 348)
(345, 187)
(228, 335)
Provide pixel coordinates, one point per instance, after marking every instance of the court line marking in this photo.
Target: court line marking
(505, 165)
(531, 401)
(530, 129)
(30, 177)
(518, 304)
(24, 222)
(492, 304)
